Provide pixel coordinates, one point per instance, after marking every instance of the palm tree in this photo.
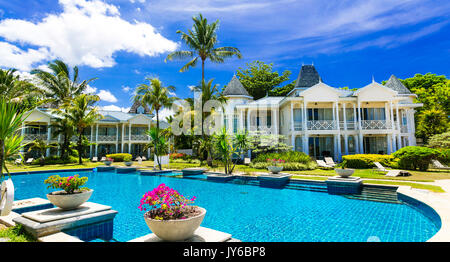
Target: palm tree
(82, 114)
(11, 120)
(16, 90)
(155, 95)
(208, 92)
(61, 126)
(159, 144)
(201, 41)
(41, 146)
(57, 85)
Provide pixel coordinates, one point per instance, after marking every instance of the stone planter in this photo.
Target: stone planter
(128, 163)
(344, 172)
(69, 201)
(108, 163)
(175, 230)
(275, 169)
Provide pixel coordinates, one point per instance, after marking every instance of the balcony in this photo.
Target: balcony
(322, 125)
(106, 138)
(32, 137)
(403, 129)
(376, 124)
(137, 138)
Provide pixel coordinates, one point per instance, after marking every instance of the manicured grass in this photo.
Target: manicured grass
(16, 234)
(433, 188)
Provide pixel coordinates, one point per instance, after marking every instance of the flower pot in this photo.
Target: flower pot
(128, 163)
(275, 169)
(344, 172)
(69, 201)
(177, 229)
(108, 163)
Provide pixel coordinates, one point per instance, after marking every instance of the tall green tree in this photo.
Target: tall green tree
(41, 146)
(82, 114)
(259, 78)
(155, 95)
(159, 144)
(201, 41)
(17, 90)
(62, 126)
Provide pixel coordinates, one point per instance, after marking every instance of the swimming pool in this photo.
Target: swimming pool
(253, 213)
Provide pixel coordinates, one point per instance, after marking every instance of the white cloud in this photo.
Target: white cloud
(165, 112)
(85, 33)
(115, 108)
(90, 90)
(126, 89)
(107, 96)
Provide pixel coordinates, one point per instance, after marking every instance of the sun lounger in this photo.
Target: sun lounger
(379, 167)
(103, 159)
(438, 165)
(138, 158)
(322, 163)
(144, 158)
(329, 161)
(29, 160)
(94, 159)
(247, 161)
(18, 161)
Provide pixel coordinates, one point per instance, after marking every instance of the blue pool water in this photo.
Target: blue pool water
(251, 213)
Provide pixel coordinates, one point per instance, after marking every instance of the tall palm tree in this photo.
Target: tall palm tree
(202, 40)
(17, 90)
(155, 95)
(11, 120)
(41, 146)
(159, 144)
(61, 126)
(209, 91)
(82, 114)
(59, 86)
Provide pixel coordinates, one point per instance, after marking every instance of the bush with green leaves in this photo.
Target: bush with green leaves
(288, 166)
(120, 157)
(56, 160)
(416, 157)
(288, 156)
(366, 160)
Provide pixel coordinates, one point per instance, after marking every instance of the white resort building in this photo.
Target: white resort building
(314, 117)
(321, 120)
(117, 132)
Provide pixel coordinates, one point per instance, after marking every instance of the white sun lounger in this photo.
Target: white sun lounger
(393, 173)
(94, 159)
(18, 161)
(103, 159)
(322, 163)
(438, 165)
(329, 161)
(247, 161)
(144, 158)
(29, 160)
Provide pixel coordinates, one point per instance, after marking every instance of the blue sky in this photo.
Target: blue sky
(123, 41)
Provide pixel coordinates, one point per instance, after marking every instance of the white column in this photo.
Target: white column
(389, 144)
(248, 119)
(275, 120)
(241, 119)
(96, 140)
(49, 137)
(344, 116)
(361, 142)
(117, 138)
(354, 117)
(293, 142)
(339, 150)
(394, 148)
(305, 129)
(356, 138)
(91, 140)
(292, 118)
(148, 150)
(399, 139)
(129, 137)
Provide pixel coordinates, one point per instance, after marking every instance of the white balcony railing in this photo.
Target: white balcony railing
(139, 137)
(107, 138)
(376, 124)
(298, 126)
(322, 125)
(32, 137)
(404, 129)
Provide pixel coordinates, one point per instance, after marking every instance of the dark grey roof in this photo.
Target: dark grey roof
(135, 106)
(235, 88)
(395, 84)
(307, 77)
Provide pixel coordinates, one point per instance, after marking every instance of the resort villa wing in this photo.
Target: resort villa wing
(116, 132)
(322, 120)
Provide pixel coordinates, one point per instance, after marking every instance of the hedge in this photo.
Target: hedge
(416, 157)
(366, 160)
(289, 166)
(288, 156)
(56, 160)
(120, 157)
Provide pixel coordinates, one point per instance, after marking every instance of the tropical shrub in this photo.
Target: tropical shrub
(288, 166)
(56, 160)
(120, 157)
(416, 157)
(183, 156)
(166, 203)
(366, 160)
(287, 156)
(69, 184)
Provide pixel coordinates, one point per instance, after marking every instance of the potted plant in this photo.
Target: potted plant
(343, 171)
(127, 160)
(72, 194)
(170, 217)
(108, 161)
(275, 168)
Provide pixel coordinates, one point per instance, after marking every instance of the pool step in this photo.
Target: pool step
(385, 195)
(315, 188)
